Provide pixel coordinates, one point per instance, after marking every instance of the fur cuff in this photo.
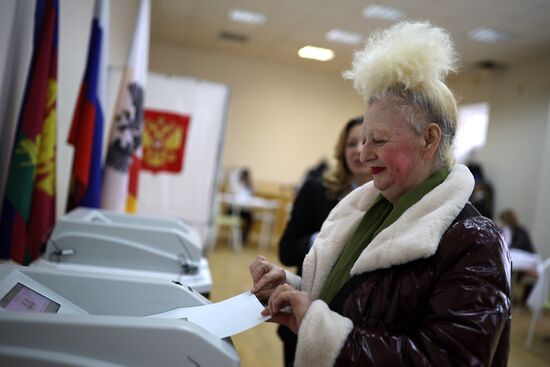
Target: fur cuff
(293, 280)
(321, 336)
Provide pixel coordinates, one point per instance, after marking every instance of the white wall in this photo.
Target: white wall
(541, 229)
(282, 119)
(514, 156)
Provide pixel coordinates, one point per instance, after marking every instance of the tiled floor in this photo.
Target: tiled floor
(260, 346)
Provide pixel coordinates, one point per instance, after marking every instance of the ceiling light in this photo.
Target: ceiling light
(489, 35)
(245, 16)
(347, 38)
(383, 12)
(315, 53)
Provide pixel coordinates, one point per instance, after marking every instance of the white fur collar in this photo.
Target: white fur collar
(415, 235)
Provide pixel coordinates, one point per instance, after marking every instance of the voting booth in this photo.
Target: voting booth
(190, 191)
(60, 318)
(104, 242)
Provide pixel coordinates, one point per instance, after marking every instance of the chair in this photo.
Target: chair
(538, 299)
(267, 219)
(525, 273)
(234, 223)
(229, 219)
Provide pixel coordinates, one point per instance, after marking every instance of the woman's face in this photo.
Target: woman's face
(392, 151)
(360, 171)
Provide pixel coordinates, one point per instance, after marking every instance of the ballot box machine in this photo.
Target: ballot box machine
(62, 318)
(100, 241)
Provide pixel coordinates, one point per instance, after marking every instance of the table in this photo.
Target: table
(525, 261)
(267, 215)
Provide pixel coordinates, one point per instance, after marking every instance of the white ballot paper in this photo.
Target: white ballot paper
(224, 318)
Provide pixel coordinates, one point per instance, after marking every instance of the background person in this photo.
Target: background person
(524, 258)
(316, 172)
(240, 186)
(482, 196)
(316, 198)
(518, 237)
(404, 271)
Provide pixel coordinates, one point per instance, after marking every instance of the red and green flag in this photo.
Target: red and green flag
(28, 208)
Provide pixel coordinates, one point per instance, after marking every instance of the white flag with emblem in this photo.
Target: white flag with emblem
(119, 190)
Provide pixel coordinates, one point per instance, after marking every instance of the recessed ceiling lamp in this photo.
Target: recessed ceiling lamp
(245, 16)
(383, 12)
(345, 37)
(489, 35)
(315, 53)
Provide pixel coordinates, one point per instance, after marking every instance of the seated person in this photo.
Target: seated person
(516, 236)
(524, 258)
(240, 185)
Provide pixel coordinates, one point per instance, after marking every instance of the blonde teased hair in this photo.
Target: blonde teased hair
(406, 64)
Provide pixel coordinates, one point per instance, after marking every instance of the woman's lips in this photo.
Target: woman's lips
(376, 170)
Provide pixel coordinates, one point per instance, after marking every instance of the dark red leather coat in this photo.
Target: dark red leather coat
(451, 309)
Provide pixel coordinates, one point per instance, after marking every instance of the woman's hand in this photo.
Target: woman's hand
(284, 296)
(265, 277)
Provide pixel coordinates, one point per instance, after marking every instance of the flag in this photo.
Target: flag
(164, 139)
(28, 208)
(86, 134)
(17, 61)
(119, 190)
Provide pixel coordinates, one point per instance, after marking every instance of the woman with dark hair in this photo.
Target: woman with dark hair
(316, 198)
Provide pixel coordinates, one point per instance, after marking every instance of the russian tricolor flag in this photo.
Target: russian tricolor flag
(86, 134)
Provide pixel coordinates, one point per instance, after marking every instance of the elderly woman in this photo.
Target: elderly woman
(404, 271)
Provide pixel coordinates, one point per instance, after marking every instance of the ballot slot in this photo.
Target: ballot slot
(52, 317)
(86, 236)
(100, 241)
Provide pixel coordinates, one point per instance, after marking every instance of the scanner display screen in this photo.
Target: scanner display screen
(23, 298)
